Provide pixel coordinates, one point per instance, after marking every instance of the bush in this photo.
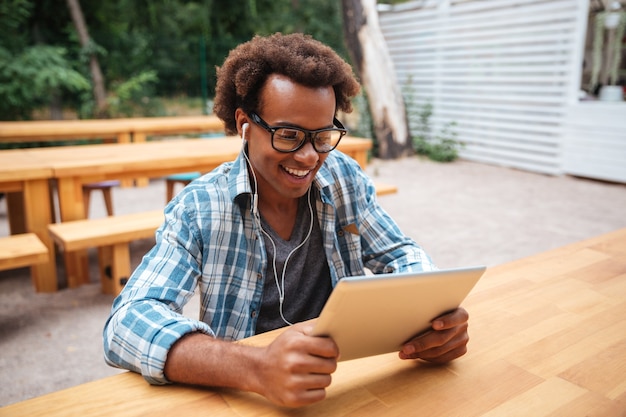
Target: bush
(440, 147)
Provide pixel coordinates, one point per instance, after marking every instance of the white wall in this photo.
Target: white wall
(503, 70)
(594, 142)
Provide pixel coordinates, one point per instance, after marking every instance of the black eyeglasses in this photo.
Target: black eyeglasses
(290, 139)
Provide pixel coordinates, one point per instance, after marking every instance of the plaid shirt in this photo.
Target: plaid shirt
(209, 239)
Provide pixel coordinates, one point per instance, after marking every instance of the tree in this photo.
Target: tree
(31, 74)
(99, 90)
(372, 62)
(30, 78)
(145, 50)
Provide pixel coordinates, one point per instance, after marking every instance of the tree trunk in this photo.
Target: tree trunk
(99, 91)
(56, 106)
(370, 56)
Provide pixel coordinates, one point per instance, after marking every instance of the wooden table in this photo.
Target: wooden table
(26, 184)
(123, 130)
(73, 166)
(548, 338)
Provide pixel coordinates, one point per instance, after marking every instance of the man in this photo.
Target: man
(266, 237)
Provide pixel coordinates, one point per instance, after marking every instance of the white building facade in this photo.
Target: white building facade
(508, 74)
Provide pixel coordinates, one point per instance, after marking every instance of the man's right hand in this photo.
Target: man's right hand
(297, 367)
(292, 371)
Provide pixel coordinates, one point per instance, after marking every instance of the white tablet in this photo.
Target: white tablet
(375, 314)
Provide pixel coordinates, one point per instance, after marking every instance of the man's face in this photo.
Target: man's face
(284, 176)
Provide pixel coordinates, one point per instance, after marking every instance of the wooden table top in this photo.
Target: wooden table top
(548, 338)
(153, 158)
(24, 131)
(17, 165)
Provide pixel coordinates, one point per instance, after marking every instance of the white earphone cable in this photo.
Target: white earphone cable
(280, 286)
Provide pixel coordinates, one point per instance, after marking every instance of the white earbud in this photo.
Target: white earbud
(244, 127)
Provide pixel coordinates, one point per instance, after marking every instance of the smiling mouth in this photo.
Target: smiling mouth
(299, 173)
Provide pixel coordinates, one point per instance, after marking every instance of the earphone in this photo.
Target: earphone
(280, 285)
(255, 196)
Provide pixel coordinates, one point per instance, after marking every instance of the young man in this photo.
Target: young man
(266, 237)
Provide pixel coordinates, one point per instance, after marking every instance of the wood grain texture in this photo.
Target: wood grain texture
(21, 250)
(548, 338)
(121, 128)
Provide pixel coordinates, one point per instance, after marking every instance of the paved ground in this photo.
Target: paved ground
(463, 214)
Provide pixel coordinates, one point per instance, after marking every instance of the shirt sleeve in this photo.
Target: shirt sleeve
(146, 318)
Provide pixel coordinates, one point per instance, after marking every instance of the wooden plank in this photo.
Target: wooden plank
(107, 231)
(21, 250)
(384, 189)
(121, 129)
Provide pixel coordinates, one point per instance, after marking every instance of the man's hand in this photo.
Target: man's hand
(297, 367)
(445, 341)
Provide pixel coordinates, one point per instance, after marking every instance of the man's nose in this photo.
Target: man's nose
(307, 153)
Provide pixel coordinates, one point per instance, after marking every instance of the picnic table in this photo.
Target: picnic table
(118, 130)
(26, 184)
(73, 166)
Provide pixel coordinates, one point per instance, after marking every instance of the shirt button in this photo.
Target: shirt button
(340, 233)
(253, 315)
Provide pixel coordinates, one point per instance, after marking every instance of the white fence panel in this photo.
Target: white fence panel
(502, 70)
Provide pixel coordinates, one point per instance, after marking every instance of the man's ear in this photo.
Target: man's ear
(242, 123)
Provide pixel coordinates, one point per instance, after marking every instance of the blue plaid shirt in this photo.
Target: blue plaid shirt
(209, 239)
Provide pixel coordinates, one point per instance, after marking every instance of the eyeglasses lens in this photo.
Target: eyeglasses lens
(289, 139)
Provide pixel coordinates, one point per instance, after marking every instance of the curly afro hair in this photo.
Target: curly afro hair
(296, 56)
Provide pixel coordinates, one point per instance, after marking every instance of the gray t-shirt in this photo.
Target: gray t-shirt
(307, 283)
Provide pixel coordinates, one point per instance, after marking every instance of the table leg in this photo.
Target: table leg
(125, 137)
(139, 137)
(361, 158)
(71, 207)
(37, 216)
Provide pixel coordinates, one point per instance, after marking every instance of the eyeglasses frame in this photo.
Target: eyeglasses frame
(309, 135)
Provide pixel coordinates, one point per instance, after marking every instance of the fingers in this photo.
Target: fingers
(445, 342)
(297, 339)
(299, 368)
(438, 346)
(450, 320)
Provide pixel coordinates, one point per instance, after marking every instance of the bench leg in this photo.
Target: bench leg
(15, 210)
(114, 264)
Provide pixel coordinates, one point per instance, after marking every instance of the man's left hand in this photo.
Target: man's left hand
(445, 341)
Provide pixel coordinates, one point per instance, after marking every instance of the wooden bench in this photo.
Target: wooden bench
(383, 189)
(25, 249)
(112, 237)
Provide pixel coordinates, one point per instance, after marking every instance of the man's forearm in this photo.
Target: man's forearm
(199, 359)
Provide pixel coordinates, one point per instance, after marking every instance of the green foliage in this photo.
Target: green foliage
(13, 13)
(132, 94)
(612, 49)
(28, 79)
(363, 125)
(441, 146)
(163, 37)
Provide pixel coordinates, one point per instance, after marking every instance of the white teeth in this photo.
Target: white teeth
(297, 172)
